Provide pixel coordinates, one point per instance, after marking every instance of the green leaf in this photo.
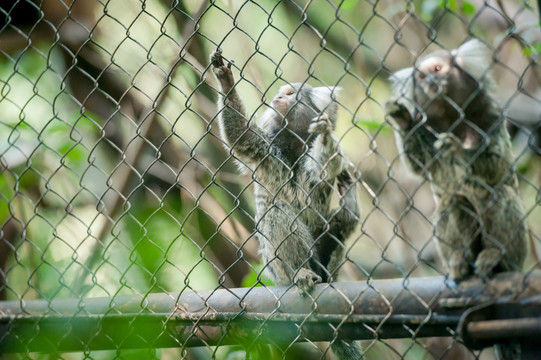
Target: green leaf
(256, 277)
(372, 125)
(348, 5)
(429, 7)
(73, 153)
(6, 194)
(534, 48)
(468, 8)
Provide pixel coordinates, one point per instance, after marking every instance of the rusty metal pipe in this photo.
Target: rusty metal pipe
(503, 329)
(281, 315)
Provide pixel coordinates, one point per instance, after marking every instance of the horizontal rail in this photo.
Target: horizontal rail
(397, 308)
(500, 329)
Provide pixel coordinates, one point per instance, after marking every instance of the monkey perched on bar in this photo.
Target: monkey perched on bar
(296, 162)
(451, 131)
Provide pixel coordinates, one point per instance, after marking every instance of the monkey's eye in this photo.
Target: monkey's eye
(437, 68)
(290, 92)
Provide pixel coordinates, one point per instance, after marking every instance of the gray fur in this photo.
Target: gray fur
(451, 132)
(296, 163)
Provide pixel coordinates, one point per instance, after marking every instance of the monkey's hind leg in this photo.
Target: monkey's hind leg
(504, 233)
(344, 219)
(289, 249)
(458, 233)
(306, 279)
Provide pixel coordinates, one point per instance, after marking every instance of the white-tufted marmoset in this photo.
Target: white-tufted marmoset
(451, 131)
(297, 163)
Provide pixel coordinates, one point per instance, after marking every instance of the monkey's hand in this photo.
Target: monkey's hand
(345, 183)
(222, 72)
(448, 142)
(321, 125)
(306, 279)
(399, 113)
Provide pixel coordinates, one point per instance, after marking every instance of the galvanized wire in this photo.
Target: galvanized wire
(115, 180)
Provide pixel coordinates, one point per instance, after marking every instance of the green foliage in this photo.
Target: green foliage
(168, 235)
(6, 195)
(430, 7)
(373, 125)
(256, 277)
(534, 49)
(468, 8)
(167, 257)
(348, 5)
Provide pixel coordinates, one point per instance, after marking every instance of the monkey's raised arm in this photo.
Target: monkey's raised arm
(246, 138)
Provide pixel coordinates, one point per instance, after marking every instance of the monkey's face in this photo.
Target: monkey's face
(445, 85)
(432, 74)
(286, 97)
(292, 112)
(441, 81)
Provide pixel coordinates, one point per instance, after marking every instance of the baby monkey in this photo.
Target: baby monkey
(450, 131)
(296, 162)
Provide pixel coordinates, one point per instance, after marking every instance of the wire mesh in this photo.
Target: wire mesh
(116, 180)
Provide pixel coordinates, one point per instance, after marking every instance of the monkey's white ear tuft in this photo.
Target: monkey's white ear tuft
(402, 82)
(324, 96)
(474, 58)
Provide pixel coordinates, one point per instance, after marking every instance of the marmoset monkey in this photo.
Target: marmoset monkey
(296, 162)
(451, 131)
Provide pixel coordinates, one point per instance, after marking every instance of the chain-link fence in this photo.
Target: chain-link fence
(145, 213)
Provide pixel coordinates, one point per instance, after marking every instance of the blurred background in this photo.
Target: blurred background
(113, 178)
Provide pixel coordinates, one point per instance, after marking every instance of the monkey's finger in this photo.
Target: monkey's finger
(231, 62)
(217, 59)
(320, 127)
(345, 177)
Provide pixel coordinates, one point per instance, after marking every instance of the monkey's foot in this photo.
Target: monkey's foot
(458, 266)
(320, 125)
(306, 279)
(223, 72)
(486, 261)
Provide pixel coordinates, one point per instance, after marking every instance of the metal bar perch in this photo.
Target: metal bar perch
(420, 307)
